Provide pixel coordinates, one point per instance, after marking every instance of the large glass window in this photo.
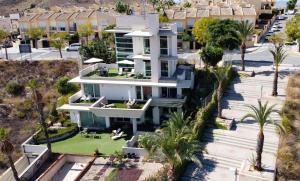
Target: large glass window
(138, 90)
(92, 90)
(90, 120)
(147, 68)
(164, 69)
(168, 92)
(146, 46)
(124, 46)
(164, 45)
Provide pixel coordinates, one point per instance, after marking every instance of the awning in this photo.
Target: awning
(139, 34)
(126, 62)
(93, 60)
(143, 57)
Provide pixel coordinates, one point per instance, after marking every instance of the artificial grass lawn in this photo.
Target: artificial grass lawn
(86, 146)
(122, 104)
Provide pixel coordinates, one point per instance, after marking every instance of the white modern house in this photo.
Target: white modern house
(144, 86)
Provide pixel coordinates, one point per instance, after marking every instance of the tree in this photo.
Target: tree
(221, 74)
(176, 142)
(97, 49)
(35, 33)
(4, 40)
(278, 56)
(291, 4)
(121, 7)
(200, 29)
(39, 106)
(223, 34)
(293, 29)
(261, 115)
(277, 39)
(244, 30)
(58, 41)
(107, 36)
(85, 30)
(154, 3)
(211, 56)
(7, 148)
(187, 4)
(63, 87)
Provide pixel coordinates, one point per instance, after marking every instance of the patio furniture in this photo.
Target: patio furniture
(130, 104)
(83, 98)
(117, 131)
(109, 106)
(131, 73)
(117, 136)
(84, 132)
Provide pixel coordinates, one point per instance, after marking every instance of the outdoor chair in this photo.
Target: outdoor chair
(117, 136)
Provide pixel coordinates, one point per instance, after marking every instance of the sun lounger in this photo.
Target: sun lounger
(117, 136)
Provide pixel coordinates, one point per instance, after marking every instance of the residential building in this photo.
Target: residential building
(65, 21)
(143, 87)
(185, 18)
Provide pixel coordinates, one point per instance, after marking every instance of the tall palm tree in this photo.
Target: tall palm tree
(261, 114)
(39, 105)
(7, 148)
(244, 30)
(176, 142)
(278, 56)
(221, 73)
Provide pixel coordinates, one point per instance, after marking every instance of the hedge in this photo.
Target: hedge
(56, 133)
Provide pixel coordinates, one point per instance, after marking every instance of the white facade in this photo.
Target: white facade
(150, 79)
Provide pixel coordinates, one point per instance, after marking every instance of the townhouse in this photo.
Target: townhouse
(142, 88)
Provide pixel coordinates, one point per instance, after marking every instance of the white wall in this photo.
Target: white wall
(117, 92)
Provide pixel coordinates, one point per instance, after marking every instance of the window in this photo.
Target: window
(168, 92)
(147, 68)
(92, 90)
(164, 45)
(124, 46)
(90, 120)
(164, 69)
(146, 46)
(62, 29)
(138, 90)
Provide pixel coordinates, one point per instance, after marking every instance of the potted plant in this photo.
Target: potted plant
(186, 38)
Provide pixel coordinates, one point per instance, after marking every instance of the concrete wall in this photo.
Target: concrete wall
(20, 165)
(116, 92)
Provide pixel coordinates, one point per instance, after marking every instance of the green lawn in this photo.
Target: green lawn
(87, 146)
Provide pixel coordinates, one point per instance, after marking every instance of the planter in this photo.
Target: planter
(64, 136)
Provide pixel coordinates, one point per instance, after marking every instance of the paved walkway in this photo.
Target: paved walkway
(228, 150)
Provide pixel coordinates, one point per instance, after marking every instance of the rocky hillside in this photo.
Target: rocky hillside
(11, 6)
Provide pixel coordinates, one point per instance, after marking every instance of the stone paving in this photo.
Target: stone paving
(227, 151)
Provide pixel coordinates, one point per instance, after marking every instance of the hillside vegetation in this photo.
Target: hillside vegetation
(16, 112)
(289, 149)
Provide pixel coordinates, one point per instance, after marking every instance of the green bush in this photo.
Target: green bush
(211, 55)
(64, 88)
(54, 133)
(14, 88)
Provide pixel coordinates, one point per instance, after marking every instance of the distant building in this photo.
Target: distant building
(10, 24)
(66, 22)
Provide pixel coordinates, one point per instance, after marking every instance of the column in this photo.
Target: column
(134, 125)
(156, 119)
(107, 122)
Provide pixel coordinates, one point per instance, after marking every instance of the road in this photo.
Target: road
(38, 54)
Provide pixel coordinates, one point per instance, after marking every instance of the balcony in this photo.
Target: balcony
(78, 99)
(102, 71)
(117, 108)
(168, 102)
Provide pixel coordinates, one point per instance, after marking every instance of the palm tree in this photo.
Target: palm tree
(278, 56)
(7, 148)
(261, 114)
(39, 105)
(244, 30)
(221, 74)
(176, 142)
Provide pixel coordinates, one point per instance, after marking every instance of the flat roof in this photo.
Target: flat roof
(123, 82)
(120, 30)
(73, 107)
(139, 34)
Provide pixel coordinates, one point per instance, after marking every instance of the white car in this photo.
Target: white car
(73, 47)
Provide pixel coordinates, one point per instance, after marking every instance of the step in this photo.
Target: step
(214, 160)
(238, 144)
(245, 141)
(268, 127)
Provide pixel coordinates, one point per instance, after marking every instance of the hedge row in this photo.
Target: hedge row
(56, 133)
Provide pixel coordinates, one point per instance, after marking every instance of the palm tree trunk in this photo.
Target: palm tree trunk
(275, 82)
(259, 150)
(219, 96)
(43, 123)
(13, 168)
(60, 53)
(36, 43)
(243, 51)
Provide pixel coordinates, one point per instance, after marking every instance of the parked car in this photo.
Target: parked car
(73, 47)
(281, 17)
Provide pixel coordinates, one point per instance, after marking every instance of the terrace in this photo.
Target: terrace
(111, 72)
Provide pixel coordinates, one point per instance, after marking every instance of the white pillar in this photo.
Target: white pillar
(156, 116)
(179, 109)
(179, 92)
(134, 125)
(107, 122)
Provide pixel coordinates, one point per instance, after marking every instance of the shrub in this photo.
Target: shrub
(14, 88)
(53, 114)
(64, 88)
(121, 7)
(54, 133)
(211, 55)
